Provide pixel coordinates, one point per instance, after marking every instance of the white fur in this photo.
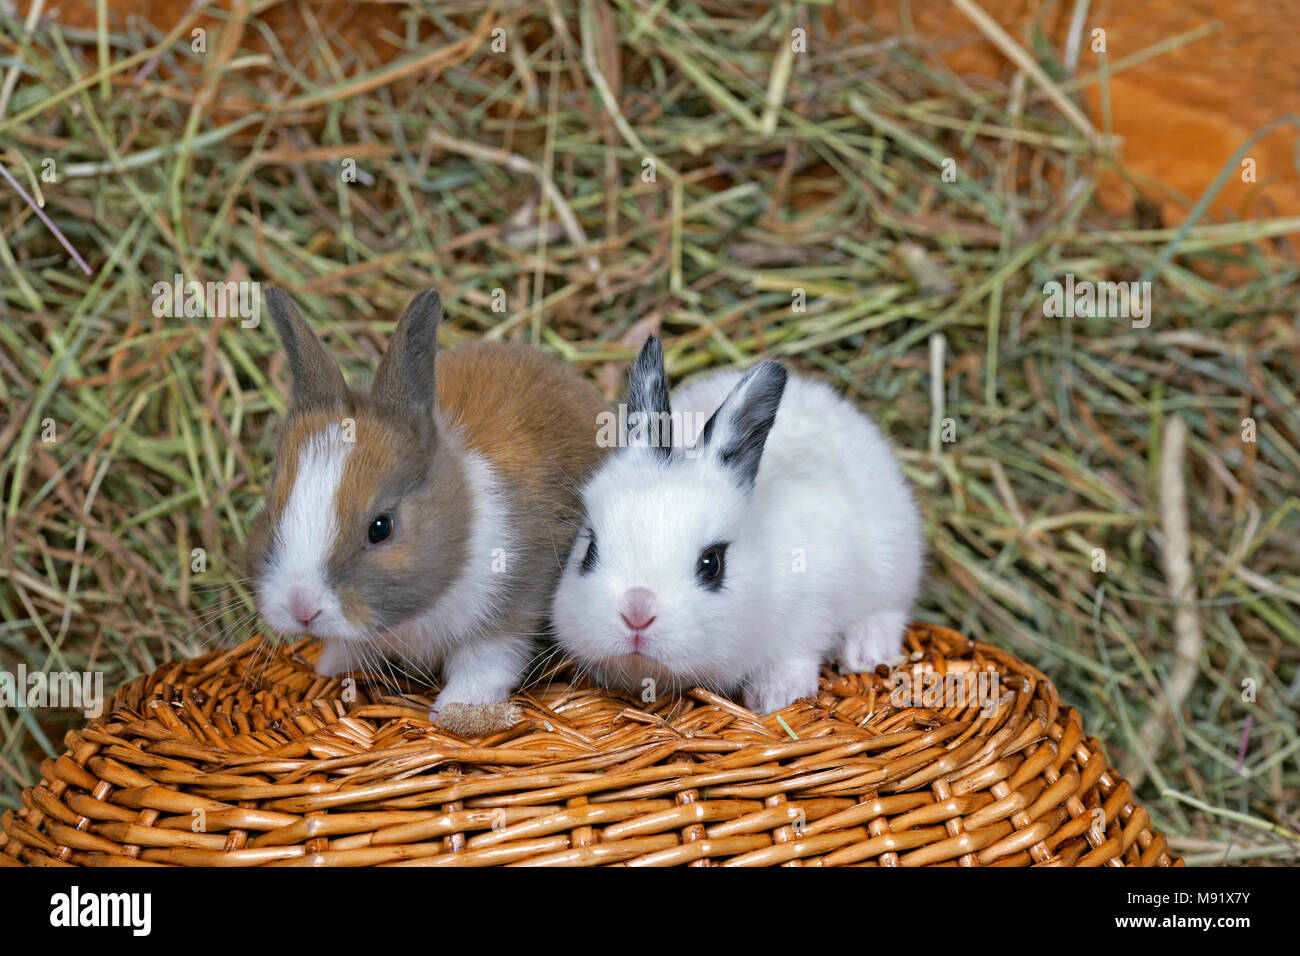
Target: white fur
(304, 537)
(829, 493)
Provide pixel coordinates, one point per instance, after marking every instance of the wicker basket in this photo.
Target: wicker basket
(235, 759)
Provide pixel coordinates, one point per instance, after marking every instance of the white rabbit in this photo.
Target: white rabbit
(784, 535)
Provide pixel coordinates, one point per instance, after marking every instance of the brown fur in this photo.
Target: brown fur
(317, 378)
(529, 416)
(535, 421)
(410, 475)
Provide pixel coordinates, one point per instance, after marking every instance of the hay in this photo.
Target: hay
(522, 171)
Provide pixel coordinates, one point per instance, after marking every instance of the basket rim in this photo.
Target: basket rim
(293, 776)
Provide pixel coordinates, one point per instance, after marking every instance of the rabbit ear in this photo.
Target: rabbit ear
(737, 432)
(317, 378)
(649, 417)
(404, 380)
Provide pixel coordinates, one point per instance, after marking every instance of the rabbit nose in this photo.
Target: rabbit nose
(638, 608)
(304, 606)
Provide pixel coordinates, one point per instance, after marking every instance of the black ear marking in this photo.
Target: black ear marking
(649, 416)
(404, 381)
(317, 378)
(737, 431)
(589, 556)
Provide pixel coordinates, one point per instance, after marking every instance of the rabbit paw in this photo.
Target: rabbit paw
(476, 720)
(875, 639)
(335, 658)
(781, 685)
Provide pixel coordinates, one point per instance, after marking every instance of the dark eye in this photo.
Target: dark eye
(380, 529)
(589, 559)
(711, 566)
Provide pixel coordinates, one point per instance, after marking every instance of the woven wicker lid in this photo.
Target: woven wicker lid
(248, 758)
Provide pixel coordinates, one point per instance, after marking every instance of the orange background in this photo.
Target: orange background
(1181, 114)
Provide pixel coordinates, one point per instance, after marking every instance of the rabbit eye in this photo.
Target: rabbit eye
(381, 529)
(589, 559)
(711, 566)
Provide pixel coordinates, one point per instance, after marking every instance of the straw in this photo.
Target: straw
(672, 168)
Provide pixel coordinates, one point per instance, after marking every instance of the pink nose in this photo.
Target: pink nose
(303, 605)
(638, 608)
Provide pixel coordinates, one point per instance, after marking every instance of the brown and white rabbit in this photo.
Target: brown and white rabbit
(427, 519)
